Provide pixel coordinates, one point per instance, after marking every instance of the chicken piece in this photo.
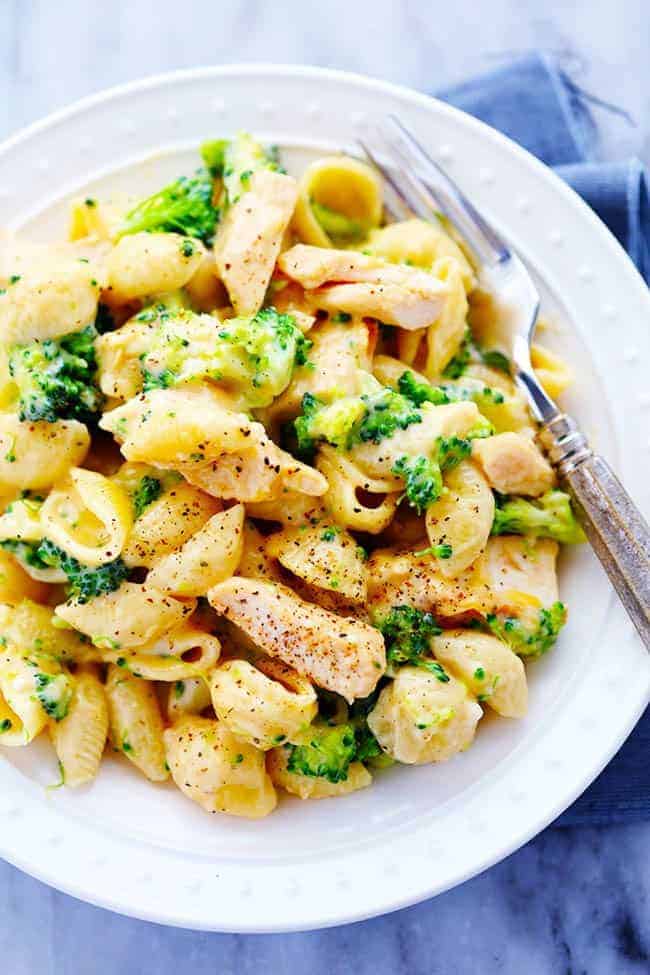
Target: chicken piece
(391, 303)
(313, 266)
(405, 578)
(250, 238)
(521, 572)
(345, 656)
(192, 430)
(513, 464)
(364, 285)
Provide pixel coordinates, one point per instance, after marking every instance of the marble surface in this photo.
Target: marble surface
(572, 901)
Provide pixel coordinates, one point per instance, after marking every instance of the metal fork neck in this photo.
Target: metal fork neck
(565, 444)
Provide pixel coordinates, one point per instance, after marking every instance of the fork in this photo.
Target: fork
(613, 524)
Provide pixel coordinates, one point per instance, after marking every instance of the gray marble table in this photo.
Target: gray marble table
(572, 901)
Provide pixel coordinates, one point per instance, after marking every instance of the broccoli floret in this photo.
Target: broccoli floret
(407, 632)
(252, 356)
(328, 753)
(84, 582)
(451, 450)
(54, 692)
(419, 393)
(148, 490)
(332, 423)
(550, 516)
(422, 478)
(242, 157)
(481, 395)
(56, 378)
(184, 207)
(329, 748)
(527, 641)
(368, 418)
(386, 412)
(353, 419)
(26, 552)
(213, 153)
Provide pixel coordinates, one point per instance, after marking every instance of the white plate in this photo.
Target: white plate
(147, 851)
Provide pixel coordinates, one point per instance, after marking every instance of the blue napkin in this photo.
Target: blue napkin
(536, 104)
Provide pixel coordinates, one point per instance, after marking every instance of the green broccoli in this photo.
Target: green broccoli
(550, 516)
(54, 692)
(254, 356)
(184, 207)
(419, 392)
(25, 552)
(213, 153)
(407, 632)
(147, 491)
(327, 754)
(83, 582)
(329, 748)
(242, 157)
(451, 451)
(386, 412)
(370, 417)
(525, 641)
(332, 423)
(422, 478)
(56, 378)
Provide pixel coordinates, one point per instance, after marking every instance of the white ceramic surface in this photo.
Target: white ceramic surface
(145, 850)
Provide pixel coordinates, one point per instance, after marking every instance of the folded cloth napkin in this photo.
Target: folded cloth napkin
(534, 102)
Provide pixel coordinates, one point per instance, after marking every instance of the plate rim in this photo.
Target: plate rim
(572, 199)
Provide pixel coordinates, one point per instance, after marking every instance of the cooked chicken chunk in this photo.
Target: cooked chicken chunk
(513, 464)
(193, 431)
(341, 655)
(250, 238)
(363, 285)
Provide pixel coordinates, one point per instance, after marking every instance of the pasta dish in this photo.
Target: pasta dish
(274, 516)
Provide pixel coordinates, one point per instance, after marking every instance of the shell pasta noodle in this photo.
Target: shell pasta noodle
(273, 512)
